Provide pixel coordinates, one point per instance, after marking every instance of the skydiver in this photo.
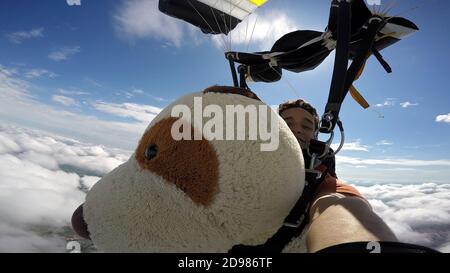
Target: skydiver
(339, 213)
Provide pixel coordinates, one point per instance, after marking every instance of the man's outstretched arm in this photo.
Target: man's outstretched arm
(342, 216)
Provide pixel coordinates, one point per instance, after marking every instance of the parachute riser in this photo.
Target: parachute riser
(229, 57)
(332, 108)
(343, 78)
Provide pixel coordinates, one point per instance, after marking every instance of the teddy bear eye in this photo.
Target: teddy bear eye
(151, 151)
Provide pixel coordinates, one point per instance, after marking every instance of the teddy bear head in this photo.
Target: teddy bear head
(199, 182)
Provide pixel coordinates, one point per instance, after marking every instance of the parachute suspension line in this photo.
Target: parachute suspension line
(203, 18)
(229, 34)
(238, 38)
(383, 11)
(388, 8)
(231, 10)
(379, 113)
(269, 30)
(218, 25)
(228, 30)
(246, 29)
(419, 5)
(291, 86)
(253, 30)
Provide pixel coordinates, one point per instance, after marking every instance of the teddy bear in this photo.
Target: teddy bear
(199, 180)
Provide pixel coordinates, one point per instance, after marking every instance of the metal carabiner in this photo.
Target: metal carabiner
(341, 129)
(330, 140)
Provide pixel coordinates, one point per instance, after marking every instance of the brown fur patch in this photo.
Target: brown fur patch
(231, 90)
(191, 165)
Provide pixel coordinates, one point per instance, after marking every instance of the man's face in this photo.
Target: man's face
(301, 123)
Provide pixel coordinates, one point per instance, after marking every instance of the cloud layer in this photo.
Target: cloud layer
(418, 214)
(44, 177)
(43, 180)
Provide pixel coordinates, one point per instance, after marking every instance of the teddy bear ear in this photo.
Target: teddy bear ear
(231, 90)
(78, 223)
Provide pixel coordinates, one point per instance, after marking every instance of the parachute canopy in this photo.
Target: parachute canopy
(211, 16)
(304, 50)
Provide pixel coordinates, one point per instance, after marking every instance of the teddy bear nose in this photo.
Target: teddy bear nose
(78, 223)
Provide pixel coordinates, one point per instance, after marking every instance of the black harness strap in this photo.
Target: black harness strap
(294, 223)
(385, 65)
(340, 65)
(337, 94)
(298, 217)
(233, 72)
(242, 69)
(375, 24)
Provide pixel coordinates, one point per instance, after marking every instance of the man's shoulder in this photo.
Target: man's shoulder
(333, 185)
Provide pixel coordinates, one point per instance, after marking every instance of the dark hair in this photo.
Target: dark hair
(303, 105)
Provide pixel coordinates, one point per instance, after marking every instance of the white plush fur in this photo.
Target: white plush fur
(134, 210)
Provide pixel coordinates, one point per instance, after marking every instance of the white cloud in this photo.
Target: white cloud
(138, 91)
(73, 2)
(391, 162)
(418, 214)
(352, 146)
(387, 103)
(66, 101)
(20, 36)
(7, 71)
(443, 118)
(159, 99)
(63, 53)
(401, 169)
(384, 143)
(44, 178)
(407, 104)
(71, 92)
(143, 113)
(38, 73)
(18, 106)
(142, 19)
(11, 87)
(93, 82)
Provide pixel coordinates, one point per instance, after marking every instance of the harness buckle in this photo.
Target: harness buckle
(317, 172)
(295, 224)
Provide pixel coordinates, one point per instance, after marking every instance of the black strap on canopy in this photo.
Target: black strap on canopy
(343, 78)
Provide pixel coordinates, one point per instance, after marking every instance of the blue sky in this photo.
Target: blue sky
(98, 71)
